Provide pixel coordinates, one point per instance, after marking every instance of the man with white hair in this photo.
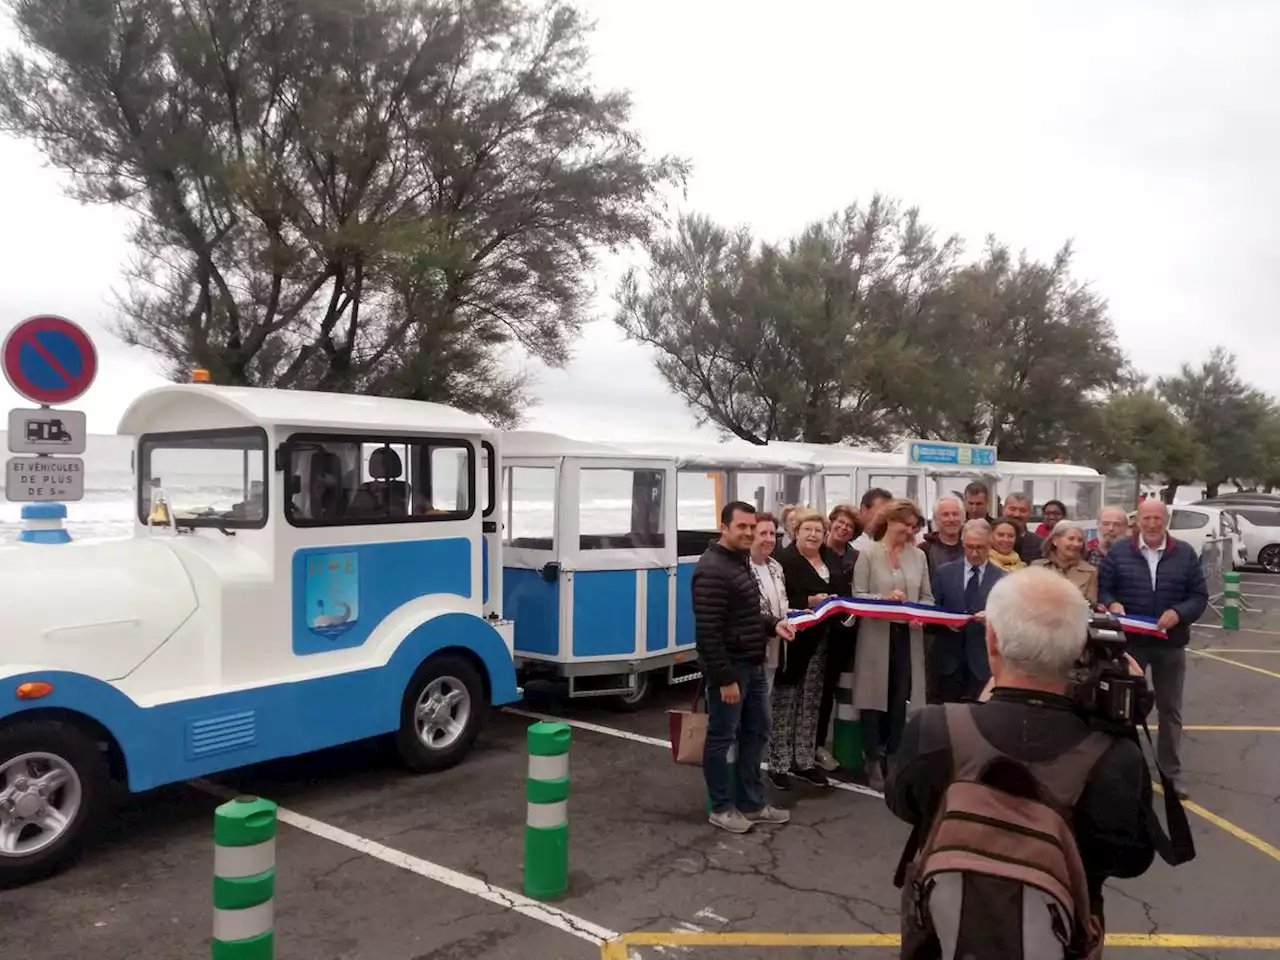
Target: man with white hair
(1113, 524)
(1036, 624)
(959, 653)
(1153, 575)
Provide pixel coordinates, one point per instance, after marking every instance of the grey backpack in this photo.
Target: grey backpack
(999, 875)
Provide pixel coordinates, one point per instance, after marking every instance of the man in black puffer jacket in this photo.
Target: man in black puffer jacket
(732, 634)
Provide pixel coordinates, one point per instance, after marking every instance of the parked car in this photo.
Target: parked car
(1225, 499)
(1260, 529)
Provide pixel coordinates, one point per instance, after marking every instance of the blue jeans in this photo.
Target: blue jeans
(745, 723)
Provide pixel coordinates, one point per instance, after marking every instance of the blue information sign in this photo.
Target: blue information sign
(920, 452)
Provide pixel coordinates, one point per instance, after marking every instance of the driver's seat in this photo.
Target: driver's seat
(386, 495)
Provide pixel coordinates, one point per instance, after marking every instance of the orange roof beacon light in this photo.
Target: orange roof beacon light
(34, 690)
(200, 375)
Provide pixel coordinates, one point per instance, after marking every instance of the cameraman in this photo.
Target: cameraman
(1036, 630)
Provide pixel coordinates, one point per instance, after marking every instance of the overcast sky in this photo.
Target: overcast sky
(1147, 132)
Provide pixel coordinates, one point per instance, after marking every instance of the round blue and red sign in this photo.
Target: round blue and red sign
(49, 359)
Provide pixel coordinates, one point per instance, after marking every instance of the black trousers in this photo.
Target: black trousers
(841, 644)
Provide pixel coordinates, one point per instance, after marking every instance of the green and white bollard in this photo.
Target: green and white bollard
(1231, 601)
(546, 831)
(244, 880)
(846, 733)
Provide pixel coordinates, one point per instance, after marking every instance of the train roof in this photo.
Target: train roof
(202, 406)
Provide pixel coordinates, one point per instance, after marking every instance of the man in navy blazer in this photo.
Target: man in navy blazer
(962, 586)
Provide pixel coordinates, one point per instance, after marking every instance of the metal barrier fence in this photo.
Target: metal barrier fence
(1215, 560)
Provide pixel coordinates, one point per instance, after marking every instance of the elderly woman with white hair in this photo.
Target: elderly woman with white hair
(1064, 554)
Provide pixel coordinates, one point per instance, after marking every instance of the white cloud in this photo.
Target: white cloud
(1145, 131)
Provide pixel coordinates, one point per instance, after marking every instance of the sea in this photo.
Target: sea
(108, 509)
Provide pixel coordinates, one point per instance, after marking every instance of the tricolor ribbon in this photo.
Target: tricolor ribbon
(877, 610)
(1143, 625)
(904, 612)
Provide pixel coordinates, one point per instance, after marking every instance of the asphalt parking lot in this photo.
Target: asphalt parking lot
(375, 864)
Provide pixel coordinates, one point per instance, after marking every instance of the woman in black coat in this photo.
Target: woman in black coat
(813, 572)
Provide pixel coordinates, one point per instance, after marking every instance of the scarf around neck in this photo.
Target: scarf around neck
(1006, 561)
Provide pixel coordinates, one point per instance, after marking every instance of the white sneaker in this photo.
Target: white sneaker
(769, 814)
(826, 761)
(732, 821)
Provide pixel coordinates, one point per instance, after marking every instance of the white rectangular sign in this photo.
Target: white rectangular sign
(29, 479)
(46, 430)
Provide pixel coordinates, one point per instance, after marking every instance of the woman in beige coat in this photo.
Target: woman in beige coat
(1064, 554)
(889, 662)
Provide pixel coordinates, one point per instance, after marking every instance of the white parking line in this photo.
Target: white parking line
(655, 742)
(593, 727)
(517, 902)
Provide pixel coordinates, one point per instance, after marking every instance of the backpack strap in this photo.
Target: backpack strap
(971, 752)
(1065, 776)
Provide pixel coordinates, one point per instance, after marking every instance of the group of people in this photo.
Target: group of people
(772, 689)
(1000, 716)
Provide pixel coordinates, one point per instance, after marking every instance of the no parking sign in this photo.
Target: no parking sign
(48, 360)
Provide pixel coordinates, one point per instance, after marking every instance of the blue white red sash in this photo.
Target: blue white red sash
(1143, 625)
(904, 612)
(877, 610)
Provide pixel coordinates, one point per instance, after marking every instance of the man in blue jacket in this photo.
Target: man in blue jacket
(1154, 575)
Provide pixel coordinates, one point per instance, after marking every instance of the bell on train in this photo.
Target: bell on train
(159, 513)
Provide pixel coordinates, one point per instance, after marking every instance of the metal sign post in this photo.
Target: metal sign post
(47, 360)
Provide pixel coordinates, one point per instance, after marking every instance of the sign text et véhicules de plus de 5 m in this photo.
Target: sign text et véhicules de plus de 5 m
(34, 479)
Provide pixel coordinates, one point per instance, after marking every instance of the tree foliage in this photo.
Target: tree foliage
(807, 340)
(374, 195)
(1224, 416)
(866, 327)
(1138, 427)
(1023, 354)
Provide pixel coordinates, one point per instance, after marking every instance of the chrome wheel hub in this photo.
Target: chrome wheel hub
(40, 795)
(442, 712)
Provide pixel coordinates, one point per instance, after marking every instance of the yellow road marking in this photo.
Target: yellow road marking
(1233, 650)
(617, 949)
(679, 938)
(1212, 729)
(1236, 663)
(1238, 832)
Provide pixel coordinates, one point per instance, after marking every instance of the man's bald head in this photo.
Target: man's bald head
(1153, 522)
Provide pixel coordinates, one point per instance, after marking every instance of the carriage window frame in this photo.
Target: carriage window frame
(491, 483)
(174, 439)
(284, 461)
(635, 539)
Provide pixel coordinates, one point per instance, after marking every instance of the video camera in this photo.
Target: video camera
(1116, 701)
(1102, 685)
